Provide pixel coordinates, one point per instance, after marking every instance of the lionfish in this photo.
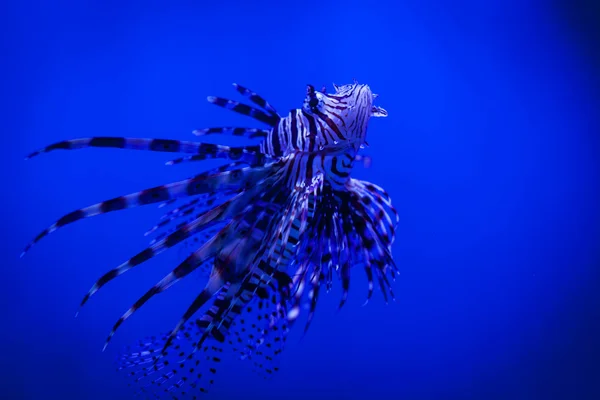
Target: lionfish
(274, 226)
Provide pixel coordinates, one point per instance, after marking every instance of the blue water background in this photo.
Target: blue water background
(490, 153)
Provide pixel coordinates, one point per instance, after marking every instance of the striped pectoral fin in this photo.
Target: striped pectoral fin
(205, 252)
(131, 143)
(256, 99)
(144, 197)
(185, 232)
(224, 181)
(245, 109)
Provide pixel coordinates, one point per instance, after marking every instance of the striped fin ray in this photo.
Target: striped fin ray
(258, 100)
(249, 222)
(348, 256)
(203, 221)
(382, 242)
(222, 274)
(215, 282)
(233, 299)
(214, 286)
(203, 201)
(377, 253)
(245, 109)
(289, 251)
(221, 168)
(368, 230)
(343, 259)
(371, 241)
(378, 192)
(292, 223)
(176, 237)
(268, 272)
(282, 231)
(238, 295)
(230, 316)
(260, 276)
(207, 150)
(340, 242)
(381, 221)
(218, 323)
(224, 181)
(379, 206)
(255, 280)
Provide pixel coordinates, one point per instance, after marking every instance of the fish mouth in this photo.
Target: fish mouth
(377, 111)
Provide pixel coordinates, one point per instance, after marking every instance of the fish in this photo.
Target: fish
(269, 230)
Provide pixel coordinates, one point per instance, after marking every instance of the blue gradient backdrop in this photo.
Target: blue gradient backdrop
(490, 153)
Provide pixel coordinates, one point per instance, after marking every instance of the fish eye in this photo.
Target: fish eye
(313, 99)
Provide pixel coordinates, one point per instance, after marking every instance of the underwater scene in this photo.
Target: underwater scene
(341, 200)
